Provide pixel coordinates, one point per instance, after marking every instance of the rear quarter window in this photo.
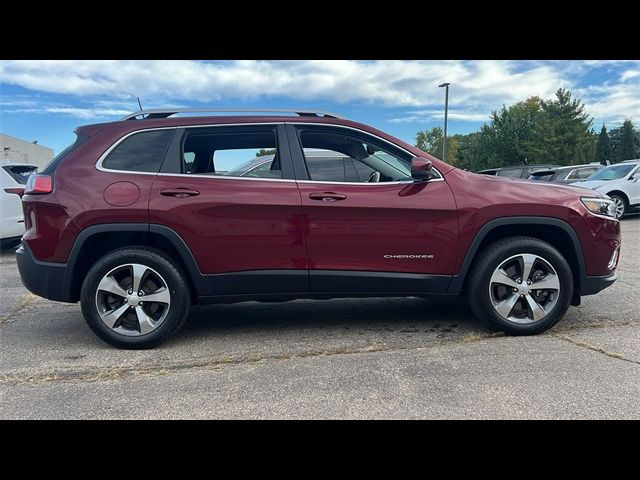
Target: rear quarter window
(141, 152)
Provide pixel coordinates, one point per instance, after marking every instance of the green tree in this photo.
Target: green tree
(265, 151)
(604, 153)
(628, 140)
(564, 130)
(430, 141)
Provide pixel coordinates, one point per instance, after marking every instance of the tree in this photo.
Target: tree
(628, 138)
(430, 141)
(265, 151)
(604, 153)
(564, 130)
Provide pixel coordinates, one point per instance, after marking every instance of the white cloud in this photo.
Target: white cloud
(477, 87)
(629, 74)
(393, 83)
(419, 116)
(85, 113)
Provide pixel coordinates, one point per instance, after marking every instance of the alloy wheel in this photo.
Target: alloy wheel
(133, 299)
(524, 288)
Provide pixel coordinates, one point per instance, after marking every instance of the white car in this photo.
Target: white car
(13, 177)
(620, 181)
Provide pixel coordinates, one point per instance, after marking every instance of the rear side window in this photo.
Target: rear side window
(581, 174)
(20, 173)
(141, 152)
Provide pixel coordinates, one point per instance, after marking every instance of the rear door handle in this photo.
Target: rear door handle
(327, 196)
(179, 192)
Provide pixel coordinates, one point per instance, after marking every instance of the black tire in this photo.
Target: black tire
(491, 258)
(173, 276)
(625, 205)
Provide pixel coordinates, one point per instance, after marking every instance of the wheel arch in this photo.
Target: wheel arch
(97, 240)
(552, 230)
(621, 194)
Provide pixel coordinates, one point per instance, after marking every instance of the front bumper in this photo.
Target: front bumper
(45, 279)
(593, 285)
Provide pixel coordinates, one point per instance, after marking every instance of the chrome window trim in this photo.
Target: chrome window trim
(100, 160)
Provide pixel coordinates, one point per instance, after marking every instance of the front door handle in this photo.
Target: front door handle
(327, 196)
(179, 192)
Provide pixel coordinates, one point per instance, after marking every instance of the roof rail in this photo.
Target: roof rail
(165, 113)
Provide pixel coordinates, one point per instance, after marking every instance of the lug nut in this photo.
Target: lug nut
(519, 281)
(515, 290)
(127, 300)
(141, 303)
(528, 282)
(140, 293)
(130, 292)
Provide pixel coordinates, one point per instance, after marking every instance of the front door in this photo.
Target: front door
(368, 226)
(229, 193)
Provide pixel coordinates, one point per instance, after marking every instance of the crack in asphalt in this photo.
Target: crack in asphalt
(595, 348)
(24, 302)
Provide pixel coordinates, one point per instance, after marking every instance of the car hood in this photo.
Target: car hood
(593, 184)
(542, 190)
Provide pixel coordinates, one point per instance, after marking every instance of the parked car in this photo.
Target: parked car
(520, 171)
(158, 223)
(570, 174)
(621, 182)
(13, 177)
(322, 164)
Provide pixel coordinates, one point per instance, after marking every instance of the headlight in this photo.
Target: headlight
(600, 206)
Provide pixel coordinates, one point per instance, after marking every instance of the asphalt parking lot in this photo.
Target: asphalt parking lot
(356, 358)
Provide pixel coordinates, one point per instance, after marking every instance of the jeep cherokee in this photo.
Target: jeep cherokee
(142, 217)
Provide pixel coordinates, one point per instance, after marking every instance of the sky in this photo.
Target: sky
(45, 100)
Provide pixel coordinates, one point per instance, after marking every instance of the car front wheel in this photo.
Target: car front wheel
(521, 285)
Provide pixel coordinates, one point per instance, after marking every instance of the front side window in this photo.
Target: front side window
(231, 154)
(338, 157)
(141, 152)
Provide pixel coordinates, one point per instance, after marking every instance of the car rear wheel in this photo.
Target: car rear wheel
(621, 205)
(135, 297)
(521, 285)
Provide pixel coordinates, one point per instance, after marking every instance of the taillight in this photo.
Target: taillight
(17, 191)
(38, 184)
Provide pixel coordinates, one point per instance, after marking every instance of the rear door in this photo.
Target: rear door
(245, 232)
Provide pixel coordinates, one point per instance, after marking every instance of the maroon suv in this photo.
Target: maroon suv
(142, 217)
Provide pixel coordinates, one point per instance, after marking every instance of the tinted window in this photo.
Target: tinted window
(512, 172)
(327, 169)
(141, 152)
(241, 154)
(335, 157)
(20, 173)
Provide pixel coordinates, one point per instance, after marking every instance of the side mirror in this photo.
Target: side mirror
(421, 169)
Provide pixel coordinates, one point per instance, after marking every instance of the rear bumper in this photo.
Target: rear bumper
(593, 285)
(45, 279)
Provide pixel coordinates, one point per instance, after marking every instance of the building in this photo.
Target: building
(15, 150)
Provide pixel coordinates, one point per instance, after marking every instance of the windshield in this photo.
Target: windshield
(614, 172)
